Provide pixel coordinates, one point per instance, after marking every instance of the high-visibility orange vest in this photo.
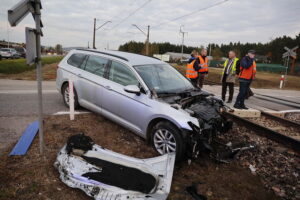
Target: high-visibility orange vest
(203, 64)
(248, 73)
(190, 71)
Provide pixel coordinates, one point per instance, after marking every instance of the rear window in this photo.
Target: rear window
(76, 59)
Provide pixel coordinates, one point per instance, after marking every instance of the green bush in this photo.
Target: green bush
(19, 65)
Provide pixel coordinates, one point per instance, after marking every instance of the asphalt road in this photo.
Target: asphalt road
(18, 107)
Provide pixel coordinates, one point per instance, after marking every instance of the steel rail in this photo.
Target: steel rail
(266, 132)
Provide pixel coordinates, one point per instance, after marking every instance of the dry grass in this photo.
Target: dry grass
(34, 177)
(49, 73)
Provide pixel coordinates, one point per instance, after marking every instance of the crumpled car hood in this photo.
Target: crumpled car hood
(93, 173)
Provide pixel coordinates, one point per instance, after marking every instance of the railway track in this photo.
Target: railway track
(277, 100)
(269, 133)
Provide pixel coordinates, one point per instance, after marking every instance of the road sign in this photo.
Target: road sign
(30, 46)
(290, 52)
(19, 11)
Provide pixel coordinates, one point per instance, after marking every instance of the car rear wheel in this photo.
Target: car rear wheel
(167, 138)
(66, 97)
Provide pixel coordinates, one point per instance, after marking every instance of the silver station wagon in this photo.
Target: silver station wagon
(145, 95)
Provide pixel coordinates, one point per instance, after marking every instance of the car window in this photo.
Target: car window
(122, 74)
(96, 65)
(76, 59)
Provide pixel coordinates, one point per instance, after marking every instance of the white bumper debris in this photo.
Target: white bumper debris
(77, 168)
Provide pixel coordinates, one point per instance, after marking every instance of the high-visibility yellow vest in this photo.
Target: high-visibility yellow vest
(190, 71)
(233, 68)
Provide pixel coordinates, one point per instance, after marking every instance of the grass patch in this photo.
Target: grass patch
(19, 65)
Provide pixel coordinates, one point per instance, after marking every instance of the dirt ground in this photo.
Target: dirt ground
(34, 177)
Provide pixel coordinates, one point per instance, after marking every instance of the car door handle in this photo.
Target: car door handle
(108, 87)
(79, 75)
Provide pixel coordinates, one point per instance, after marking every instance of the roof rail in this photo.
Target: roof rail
(109, 54)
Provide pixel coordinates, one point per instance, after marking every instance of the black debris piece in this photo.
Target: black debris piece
(79, 141)
(192, 190)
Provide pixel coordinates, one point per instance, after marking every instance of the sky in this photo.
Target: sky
(70, 22)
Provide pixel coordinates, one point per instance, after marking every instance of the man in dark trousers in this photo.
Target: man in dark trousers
(231, 68)
(192, 69)
(201, 63)
(247, 74)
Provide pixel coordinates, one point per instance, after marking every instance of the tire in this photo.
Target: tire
(65, 95)
(163, 130)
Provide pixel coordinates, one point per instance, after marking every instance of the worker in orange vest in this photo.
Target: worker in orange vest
(247, 74)
(202, 63)
(192, 69)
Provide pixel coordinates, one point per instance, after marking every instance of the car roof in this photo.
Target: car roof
(131, 58)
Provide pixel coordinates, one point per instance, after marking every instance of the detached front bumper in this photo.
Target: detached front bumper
(72, 169)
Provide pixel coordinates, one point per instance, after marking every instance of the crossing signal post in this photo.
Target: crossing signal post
(33, 55)
(290, 53)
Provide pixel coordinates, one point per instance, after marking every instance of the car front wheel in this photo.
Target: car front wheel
(167, 138)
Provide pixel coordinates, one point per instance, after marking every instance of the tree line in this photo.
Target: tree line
(272, 50)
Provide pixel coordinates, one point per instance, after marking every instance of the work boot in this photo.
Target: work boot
(244, 107)
(237, 106)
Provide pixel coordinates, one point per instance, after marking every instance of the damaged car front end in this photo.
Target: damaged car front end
(208, 110)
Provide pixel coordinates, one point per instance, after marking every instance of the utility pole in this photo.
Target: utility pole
(94, 33)
(147, 37)
(147, 41)
(182, 32)
(95, 29)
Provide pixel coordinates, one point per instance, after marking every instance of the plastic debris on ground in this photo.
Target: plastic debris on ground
(104, 174)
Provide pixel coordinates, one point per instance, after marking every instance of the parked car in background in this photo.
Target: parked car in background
(146, 95)
(21, 51)
(9, 53)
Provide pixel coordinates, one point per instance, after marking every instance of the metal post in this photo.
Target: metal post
(39, 73)
(182, 45)
(286, 70)
(147, 42)
(94, 33)
(182, 32)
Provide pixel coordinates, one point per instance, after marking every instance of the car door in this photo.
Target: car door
(92, 82)
(128, 108)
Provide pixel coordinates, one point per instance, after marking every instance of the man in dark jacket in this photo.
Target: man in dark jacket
(201, 64)
(247, 74)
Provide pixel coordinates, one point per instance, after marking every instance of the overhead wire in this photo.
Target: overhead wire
(191, 13)
(132, 13)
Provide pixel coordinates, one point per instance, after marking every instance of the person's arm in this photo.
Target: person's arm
(237, 70)
(196, 64)
(246, 62)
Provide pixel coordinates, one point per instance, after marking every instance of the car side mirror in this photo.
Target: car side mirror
(133, 89)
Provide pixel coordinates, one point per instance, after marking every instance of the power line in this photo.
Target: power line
(191, 13)
(136, 10)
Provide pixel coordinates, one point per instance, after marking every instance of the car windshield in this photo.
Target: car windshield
(163, 78)
(4, 50)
